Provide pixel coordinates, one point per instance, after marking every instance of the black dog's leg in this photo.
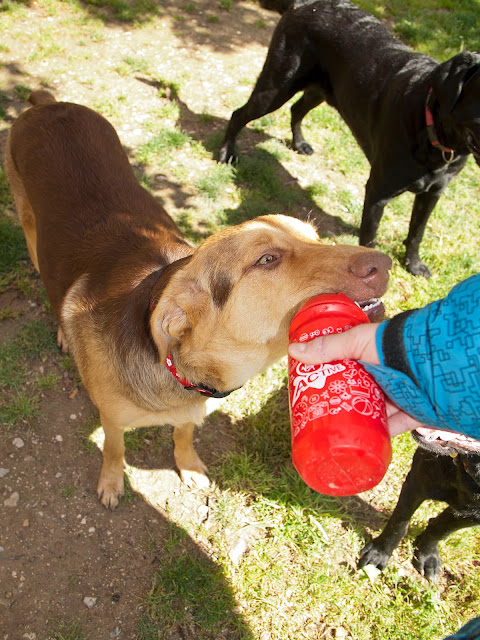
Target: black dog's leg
(379, 550)
(261, 102)
(372, 213)
(284, 74)
(312, 97)
(423, 206)
(426, 558)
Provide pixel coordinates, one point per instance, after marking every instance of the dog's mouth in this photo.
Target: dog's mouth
(446, 442)
(474, 146)
(373, 308)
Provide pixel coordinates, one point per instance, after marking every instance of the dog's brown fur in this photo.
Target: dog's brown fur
(127, 288)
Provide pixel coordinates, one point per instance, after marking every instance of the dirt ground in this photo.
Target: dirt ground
(63, 557)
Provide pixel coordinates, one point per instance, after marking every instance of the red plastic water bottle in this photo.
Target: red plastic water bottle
(340, 440)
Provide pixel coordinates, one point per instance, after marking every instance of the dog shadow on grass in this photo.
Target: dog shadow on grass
(264, 184)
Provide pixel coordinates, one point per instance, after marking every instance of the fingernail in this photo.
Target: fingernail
(298, 347)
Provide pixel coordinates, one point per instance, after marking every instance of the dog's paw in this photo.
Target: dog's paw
(371, 554)
(304, 148)
(194, 474)
(109, 490)
(428, 563)
(418, 268)
(227, 154)
(194, 479)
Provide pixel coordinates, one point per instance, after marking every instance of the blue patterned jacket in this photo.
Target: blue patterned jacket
(430, 360)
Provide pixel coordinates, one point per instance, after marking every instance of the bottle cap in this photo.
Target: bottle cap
(334, 305)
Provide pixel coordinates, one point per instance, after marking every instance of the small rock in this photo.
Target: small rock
(238, 550)
(59, 438)
(18, 442)
(203, 512)
(89, 602)
(3, 472)
(12, 501)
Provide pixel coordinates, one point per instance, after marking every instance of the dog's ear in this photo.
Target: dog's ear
(449, 78)
(176, 314)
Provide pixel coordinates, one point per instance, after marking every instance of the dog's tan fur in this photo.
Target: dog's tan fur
(127, 288)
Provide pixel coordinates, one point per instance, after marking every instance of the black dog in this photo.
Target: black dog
(442, 469)
(416, 120)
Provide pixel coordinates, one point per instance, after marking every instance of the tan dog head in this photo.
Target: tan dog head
(225, 315)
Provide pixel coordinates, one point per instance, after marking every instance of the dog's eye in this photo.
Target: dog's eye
(267, 258)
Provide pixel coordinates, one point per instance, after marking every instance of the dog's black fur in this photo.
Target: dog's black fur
(335, 52)
(434, 475)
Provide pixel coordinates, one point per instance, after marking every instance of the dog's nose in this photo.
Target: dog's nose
(372, 267)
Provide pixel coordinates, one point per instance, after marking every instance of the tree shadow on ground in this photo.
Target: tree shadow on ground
(217, 25)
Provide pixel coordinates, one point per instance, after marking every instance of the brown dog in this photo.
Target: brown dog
(132, 296)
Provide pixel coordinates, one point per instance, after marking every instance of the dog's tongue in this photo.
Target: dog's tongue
(449, 439)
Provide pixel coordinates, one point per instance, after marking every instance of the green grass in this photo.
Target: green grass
(67, 631)
(189, 591)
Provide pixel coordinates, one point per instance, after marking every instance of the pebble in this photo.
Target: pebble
(3, 472)
(18, 442)
(12, 501)
(238, 550)
(59, 438)
(89, 602)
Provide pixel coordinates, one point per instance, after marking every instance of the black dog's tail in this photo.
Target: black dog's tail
(40, 97)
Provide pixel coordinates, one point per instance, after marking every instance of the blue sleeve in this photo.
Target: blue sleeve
(471, 631)
(430, 360)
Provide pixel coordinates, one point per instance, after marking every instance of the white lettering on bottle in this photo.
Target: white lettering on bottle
(312, 377)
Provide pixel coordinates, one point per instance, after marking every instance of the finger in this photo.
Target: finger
(356, 344)
(401, 422)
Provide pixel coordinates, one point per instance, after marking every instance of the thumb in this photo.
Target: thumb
(356, 344)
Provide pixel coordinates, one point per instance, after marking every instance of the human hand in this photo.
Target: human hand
(357, 343)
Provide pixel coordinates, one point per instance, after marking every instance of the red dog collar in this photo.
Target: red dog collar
(206, 391)
(432, 132)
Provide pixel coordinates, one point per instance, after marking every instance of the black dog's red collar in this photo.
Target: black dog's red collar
(432, 132)
(206, 391)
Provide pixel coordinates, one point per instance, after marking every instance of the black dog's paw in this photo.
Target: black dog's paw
(227, 154)
(428, 563)
(303, 148)
(418, 268)
(371, 554)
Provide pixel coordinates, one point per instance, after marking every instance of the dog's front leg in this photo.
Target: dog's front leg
(423, 206)
(426, 559)
(378, 551)
(372, 213)
(192, 470)
(110, 486)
